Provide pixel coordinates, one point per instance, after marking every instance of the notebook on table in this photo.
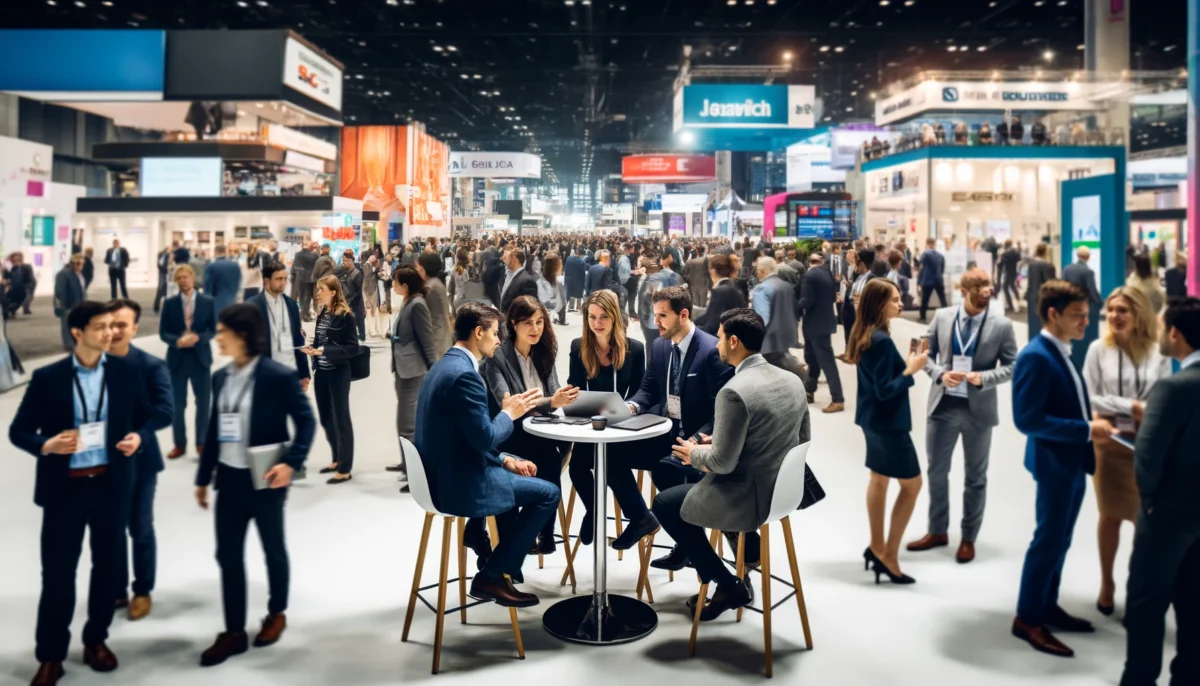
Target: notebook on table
(642, 421)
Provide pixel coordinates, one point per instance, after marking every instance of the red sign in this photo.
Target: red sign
(668, 169)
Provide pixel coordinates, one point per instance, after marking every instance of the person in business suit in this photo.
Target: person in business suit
(762, 413)
(303, 265)
(322, 267)
(82, 418)
(817, 305)
(163, 263)
(140, 513)
(861, 262)
(1038, 272)
(883, 413)
(517, 280)
(414, 350)
(682, 380)
(255, 399)
(1052, 408)
(601, 275)
(1010, 263)
(459, 439)
(495, 272)
(1082, 275)
(351, 278)
(604, 359)
(963, 404)
(188, 324)
(430, 267)
(334, 343)
(117, 259)
(1166, 548)
(931, 276)
(575, 277)
(88, 270)
(774, 300)
(285, 337)
(180, 254)
(725, 294)
(222, 280)
(695, 274)
(69, 291)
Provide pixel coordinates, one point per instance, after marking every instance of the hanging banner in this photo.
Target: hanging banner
(745, 106)
(990, 96)
(668, 169)
(490, 165)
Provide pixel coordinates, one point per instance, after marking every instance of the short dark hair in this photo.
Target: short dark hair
(125, 304)
(407, 276)
(247, 323)
(1184, 314)
(518, 255)
(472, 315)
(867, 257)
(1058, 295)
(269, 269)
(678, 296)
(82, 314)
(721, 265)
(432, 264)
(745, 323)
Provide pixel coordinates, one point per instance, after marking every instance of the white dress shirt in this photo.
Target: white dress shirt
(234, 454)
(529, 373)
(1190, 360)
(277, 314)
(1064, 349)
(1115, 382)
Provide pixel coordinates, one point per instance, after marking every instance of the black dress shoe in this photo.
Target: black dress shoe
(587, 529)
(636, 531)
(1059, 619)
(333, 481)
(226, 646)
(730, 597)
(545, 545)
(328, 470)
(673, 561)
(395, 468)
(501, 592)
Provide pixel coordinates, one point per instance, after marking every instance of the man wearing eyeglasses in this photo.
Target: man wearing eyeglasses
(69, 290)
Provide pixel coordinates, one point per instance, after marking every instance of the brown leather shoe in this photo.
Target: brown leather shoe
(966, 552)
(48, 674)
(501, 592)
(1041, 639)
(832, 408)
(99, 658)
(139, 607)
(176, 453)
(272, 629)
(930, 542)
(226, 646)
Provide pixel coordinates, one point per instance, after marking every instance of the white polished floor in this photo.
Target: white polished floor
(353, 549)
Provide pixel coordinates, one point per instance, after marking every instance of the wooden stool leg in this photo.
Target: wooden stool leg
(462, 570)
(441, 601)
(566, 537)
(791, 551)
(570, 572)
(620, 525)
(645, 552)
(721, 547)
(764, 556)
(740, 568)
(416, 585)
(512, 611)
(701, 601)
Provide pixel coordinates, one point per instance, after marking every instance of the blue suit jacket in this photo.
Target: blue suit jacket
(459, 440)
(172, 325)
(1046, 409)
(933, 265)
(276, 396)
(575, 275)
(161, 407)
(882, 405)
(223, 282)
(293, 310)
(703, 377)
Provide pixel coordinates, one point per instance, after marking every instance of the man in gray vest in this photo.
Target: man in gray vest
(774, 300)
(972, 350)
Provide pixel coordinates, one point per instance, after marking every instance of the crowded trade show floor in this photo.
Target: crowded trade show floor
(353, 551)
(36, 335)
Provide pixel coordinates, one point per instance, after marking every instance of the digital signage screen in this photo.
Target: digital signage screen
(181, 177)
(824, 219)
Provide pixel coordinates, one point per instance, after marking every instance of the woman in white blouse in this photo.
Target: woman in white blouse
(1120, 370)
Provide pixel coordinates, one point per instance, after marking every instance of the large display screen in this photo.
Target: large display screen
(181, 177)
(824, 219)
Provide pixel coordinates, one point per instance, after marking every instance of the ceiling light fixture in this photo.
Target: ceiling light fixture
(52, 3)
(982, 48)
(884, 3)
(787, 56)
(242, 3)
(839, 49)
(80, 3)
(476, 76)
(1048, 55)
(952, 48)
(824, 48)
(451, 48)
(437, 48)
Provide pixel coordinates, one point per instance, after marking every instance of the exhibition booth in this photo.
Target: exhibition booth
(402, 173)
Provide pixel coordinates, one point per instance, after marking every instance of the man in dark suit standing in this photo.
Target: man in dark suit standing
(81, 417)
(695, 275)
(1082, 275)
(1010, 264)
(188, 324)
(163, 263)
(517, 280)
(222, 280)
(818, 325)
(931, 278)
(117, 259)
(69, 290)
(1166, 548)
(140, 512)
(575, 275)
(180, 254)
(88, 271)
(1040, 271)
(601, 276)
(303, 265)
(285, 337)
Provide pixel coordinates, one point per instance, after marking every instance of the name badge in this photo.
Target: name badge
(1125, 424)
(91, 437)
(230, 428)
(961, 363)
(673, 407)
(285, 340)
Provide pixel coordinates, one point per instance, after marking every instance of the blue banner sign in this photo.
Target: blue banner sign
(745, 106)
(71, 61)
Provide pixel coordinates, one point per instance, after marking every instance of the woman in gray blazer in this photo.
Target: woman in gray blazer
(414, 350)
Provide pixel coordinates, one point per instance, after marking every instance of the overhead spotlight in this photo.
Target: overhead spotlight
(451, 48)
(437, 48)
(787, 56)
(824, 48)
(464, 76)
(569, 3)
(839, 49)
(952, 48)
(909, 3)
(884, 3)
(687, 137)
(476, 76)
(242, 3)
(80, 3)
(982, 48)
(1048, 55)
(52, 3)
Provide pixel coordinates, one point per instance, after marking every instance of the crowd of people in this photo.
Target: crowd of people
(474, 350)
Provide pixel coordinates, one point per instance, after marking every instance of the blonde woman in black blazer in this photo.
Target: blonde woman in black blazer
(334, 345)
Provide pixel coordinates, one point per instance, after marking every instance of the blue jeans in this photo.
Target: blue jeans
(141, 531)
(538, 501)
(1059, 498)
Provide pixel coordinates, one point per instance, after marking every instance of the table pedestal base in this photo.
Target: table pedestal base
(626, 620)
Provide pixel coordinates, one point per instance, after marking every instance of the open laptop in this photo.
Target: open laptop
(599, 404)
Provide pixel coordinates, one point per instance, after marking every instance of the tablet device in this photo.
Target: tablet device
(599, 404)
(1125, 441)
(644, 421)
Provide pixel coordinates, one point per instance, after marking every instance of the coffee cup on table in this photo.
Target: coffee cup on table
(599, 423)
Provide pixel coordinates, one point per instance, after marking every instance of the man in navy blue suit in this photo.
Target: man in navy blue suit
(931, 279)
(222, 280)
(140, 516)
(681, 382)
(188, 324)
(458, 440)
(285, 338)
(1051, 407)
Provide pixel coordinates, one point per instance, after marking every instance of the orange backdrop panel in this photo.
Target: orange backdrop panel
(374, 162)
(432, 182)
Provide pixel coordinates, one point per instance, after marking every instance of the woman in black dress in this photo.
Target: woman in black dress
(333, 346)
(886, 420)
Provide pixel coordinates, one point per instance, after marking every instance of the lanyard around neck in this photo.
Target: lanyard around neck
(83, 398)
(958, 330)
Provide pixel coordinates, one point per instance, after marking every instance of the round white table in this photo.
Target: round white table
(603, 618)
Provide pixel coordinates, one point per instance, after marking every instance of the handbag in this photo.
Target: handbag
(813, 493)
(360, 364)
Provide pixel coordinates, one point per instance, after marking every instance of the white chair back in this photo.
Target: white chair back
(789, 486)
(418, 484)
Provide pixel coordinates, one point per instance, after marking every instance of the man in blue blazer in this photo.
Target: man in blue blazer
(458, 442)
(931, 279)
(682, 380)
(82, 418)
(1051, 407)
(140, 515)
(222, 280)
(188, 324)
(285, 338)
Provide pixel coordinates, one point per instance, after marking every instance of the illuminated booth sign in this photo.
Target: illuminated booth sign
(668, 169)
(745, 106)
(976, 96)
(489, 165)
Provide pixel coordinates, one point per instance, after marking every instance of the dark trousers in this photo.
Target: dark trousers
(927, 292)
(333, 408)
(536, 502)
(68, 340)
(306, 298)
(788, 363)
(117, 277)
(161, 293)
(87, 505)
(190, 370)
(818, 353)
(1163, 571)
(631, 287)
(690, 538)
(547, 455)
(1010, 292)
(1059, 498)
(360, 317)
(141, 531)
(645, 454)
(238, 504)
(849, 316)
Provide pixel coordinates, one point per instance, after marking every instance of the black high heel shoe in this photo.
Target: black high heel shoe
(882, 569)
(1106, 610)
(868, 558)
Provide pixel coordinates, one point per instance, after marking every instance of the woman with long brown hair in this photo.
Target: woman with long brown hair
(604, 359)
(550, 292)
(886, 420)
(334, 344)
(1120, 370)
